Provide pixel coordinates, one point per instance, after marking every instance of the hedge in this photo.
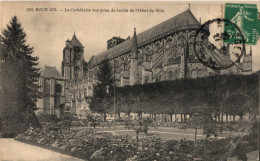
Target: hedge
(233, 94)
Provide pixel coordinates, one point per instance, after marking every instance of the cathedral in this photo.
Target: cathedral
(163, 52)
(159, 54)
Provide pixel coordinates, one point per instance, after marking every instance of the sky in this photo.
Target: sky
(47, 31)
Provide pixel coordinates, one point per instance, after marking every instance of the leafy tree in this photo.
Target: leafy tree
(19, 66)
(195, 122)
(103, 89)
(209, 128)
(94, 121)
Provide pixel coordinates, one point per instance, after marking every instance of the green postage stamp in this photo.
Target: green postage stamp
(245, 16)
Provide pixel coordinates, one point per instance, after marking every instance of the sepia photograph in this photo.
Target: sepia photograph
(129, 81)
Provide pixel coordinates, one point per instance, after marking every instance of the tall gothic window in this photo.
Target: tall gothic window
(170, 75)
(200, 73)
(160, 78)
(191, 49)
(146, 80)
(194, 74)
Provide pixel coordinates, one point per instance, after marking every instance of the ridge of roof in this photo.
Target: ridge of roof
(75, 42)
(177, 21)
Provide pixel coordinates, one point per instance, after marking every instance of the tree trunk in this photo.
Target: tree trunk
(196, 129)
(175, 117)
(154, 117)
(118, 114)
(241, 117)
(222, 116)
(171, 117)
(226, 117)
(234, 118)
(105, 116)
(205, 153)
(181, 118)
(94, 135)
(137, 141)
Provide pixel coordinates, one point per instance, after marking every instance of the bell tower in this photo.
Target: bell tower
(67, 63)
(72, 72)
(72, 64)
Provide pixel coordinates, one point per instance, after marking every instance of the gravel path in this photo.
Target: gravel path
(13, 150)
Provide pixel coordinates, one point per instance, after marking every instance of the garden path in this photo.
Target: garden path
(11, 149)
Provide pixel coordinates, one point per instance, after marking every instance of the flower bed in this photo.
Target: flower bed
(101, 146)
(80, 144)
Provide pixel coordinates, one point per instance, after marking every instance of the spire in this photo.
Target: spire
(250, 53)
(200, 20)
(189, 6)
(134, 45)
(75, 41)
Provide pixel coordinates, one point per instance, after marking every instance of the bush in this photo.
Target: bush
(110, 147)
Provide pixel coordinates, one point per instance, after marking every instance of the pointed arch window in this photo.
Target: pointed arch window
(170, 74)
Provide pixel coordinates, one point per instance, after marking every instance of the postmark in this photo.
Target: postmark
(217, 48)
(245, 17)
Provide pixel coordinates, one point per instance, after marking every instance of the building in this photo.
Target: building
(73, 72)
(52, 92)
(163, 52)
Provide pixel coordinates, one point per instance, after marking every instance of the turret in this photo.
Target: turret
(134, 63)
(247, 63)
(134, 46)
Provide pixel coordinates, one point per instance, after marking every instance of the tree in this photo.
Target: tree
(196, 122)
(94, 121)
(209, 128)
(17, 57)
(103, 90)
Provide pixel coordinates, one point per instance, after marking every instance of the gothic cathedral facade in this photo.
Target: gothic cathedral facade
(163, 52)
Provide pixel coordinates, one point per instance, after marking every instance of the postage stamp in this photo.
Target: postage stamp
(210, 47)
(245, 17)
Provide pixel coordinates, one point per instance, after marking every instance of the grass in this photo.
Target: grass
(162, 132)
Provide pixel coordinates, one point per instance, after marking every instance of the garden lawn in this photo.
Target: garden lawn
(162, 132)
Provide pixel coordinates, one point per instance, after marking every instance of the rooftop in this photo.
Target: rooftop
(50, 72)
(75, 41)
(183, 19)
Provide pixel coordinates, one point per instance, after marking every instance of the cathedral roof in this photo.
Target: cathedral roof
(75, 41)
(182, 19)
(50, 72)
